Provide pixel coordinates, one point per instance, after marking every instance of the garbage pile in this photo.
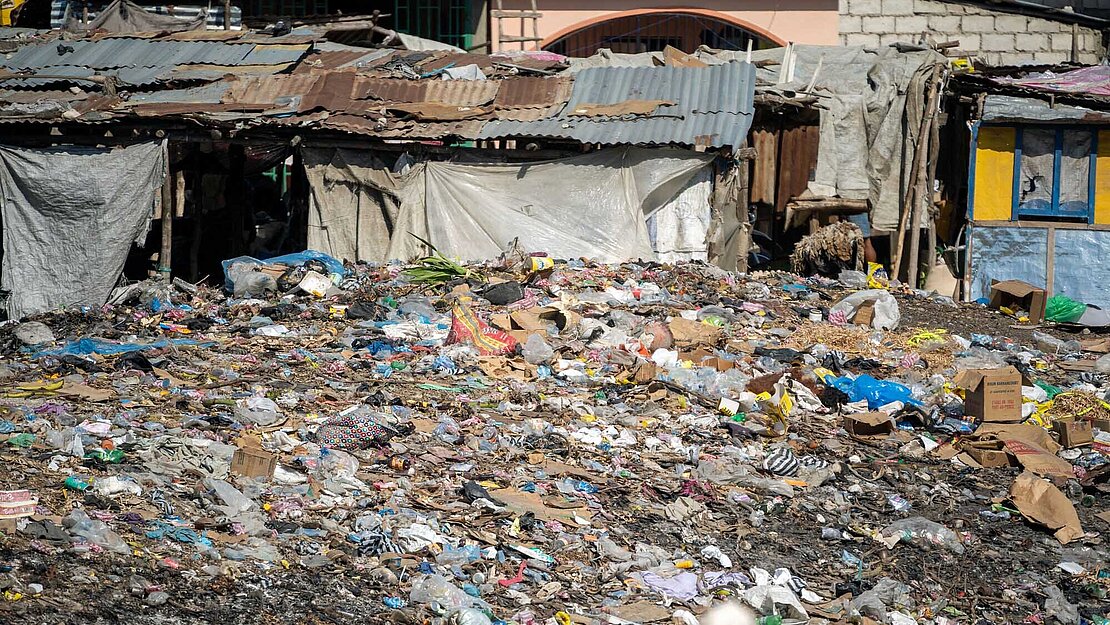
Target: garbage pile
(537, 441)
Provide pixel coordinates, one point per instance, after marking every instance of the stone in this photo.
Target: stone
(33, 333)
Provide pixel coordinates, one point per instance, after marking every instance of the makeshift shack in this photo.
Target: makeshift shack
(281, 143)
(1038, 200)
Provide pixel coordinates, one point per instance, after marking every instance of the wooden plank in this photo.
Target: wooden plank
(765, 142)
(797, 163)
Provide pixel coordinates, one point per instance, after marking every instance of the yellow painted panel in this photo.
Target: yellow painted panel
(994, 174)
(1102, 179)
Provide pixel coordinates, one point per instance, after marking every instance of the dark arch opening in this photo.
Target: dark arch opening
(654, 31)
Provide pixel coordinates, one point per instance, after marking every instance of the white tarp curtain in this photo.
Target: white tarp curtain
(595, 205)
(69, 218)
(680, 229)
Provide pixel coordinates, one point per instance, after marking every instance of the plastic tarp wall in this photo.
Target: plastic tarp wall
(69, 218)
(1083, 266)
(352, 205)
(1008, 254)
(610, 205)
(680, 229)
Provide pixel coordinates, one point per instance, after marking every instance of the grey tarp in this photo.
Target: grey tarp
(352, 205)
(124, 16)
(595, 205)
(69, 217)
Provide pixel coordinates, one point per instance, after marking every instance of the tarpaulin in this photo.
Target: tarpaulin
(1007, 254)
(352, 205)
(69, 217)
(595, 205)
(124, 16)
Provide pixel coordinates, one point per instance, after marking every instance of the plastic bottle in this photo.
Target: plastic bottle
(771, 619)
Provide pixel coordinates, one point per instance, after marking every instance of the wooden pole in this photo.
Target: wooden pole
(227, 14)
(931, 238)
(743, 195)
(919, 157)
(165, 257)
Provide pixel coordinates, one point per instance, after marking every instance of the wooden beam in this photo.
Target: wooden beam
(165, 256)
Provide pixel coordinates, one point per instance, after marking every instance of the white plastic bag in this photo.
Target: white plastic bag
(887, 314)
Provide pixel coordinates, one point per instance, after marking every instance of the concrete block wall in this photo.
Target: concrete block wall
(994, 37)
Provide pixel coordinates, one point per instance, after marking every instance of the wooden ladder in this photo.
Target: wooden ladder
(523, 15)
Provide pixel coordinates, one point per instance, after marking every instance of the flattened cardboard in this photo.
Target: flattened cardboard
(1041, 502)
(1017, 294)
(993, 395)
(1074, 433)
(253, 462)
(869, 425)
(707, 358)
(690, 335)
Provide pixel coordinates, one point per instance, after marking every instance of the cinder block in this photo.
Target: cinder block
(1050, 57)
(911, 24)
(930, 7)
(897, 7)
(947, 24)
(1060, 42)
(1010, 24)
(996, 42)
(851, 24)
(865, 7)
(861, 39)
(1032, 42)
(878, 25)
(977, 24)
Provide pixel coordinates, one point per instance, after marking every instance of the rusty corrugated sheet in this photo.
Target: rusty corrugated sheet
(528, 92)
(271, 89)
(453, 92)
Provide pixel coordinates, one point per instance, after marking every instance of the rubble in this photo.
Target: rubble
(527, 441)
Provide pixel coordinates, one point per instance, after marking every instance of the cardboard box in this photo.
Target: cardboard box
(1015, 294)
(690, 335)
(864, 314)
(989, 454)
(993, 395)
(707, 358)
(1074, 433)
(869, 425)
(253, 462)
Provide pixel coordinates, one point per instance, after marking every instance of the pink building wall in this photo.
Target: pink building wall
(798, 21)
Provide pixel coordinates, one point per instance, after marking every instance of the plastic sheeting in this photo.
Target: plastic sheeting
(352, 205)
(124, 16)
(1008, 254)
(1082, 265)
(594, 205)
(680, 229)
(69, 217)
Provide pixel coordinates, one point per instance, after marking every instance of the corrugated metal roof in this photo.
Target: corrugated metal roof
(457, 92)
(527, 92)
(115, 53)
(713, 107)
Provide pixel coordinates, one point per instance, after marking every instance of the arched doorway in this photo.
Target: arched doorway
(651, 30)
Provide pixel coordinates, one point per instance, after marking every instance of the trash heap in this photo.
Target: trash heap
(537, 441)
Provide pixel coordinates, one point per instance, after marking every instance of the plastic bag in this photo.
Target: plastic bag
(924, 533)
(878, 393)
(436, 588)
(1063, 309)
(886, 316)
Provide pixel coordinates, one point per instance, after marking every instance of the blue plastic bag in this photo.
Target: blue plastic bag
(292, 260)
(89, 346)
(876, 392)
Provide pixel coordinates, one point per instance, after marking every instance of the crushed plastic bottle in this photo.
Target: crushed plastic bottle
(924, 533)
(536, 351)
